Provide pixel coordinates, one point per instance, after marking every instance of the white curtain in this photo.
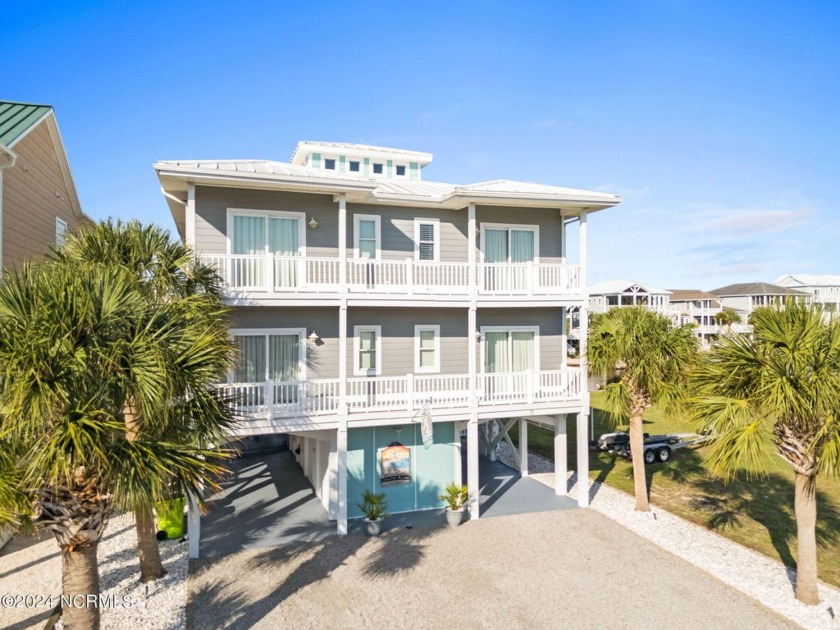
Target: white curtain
(250, 362)
(523, 351)
(521, 246)
(284, 357)
(284, 240)
(495, 246)
(496, 352)
(248, 239)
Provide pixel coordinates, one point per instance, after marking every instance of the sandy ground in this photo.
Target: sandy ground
(573, 569)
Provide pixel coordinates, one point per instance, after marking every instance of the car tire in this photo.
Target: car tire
(663, 454)
(650, 456)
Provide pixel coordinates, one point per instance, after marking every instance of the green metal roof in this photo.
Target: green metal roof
(16, 118)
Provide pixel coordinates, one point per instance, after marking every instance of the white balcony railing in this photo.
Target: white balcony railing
(300, 274)
(404, 393)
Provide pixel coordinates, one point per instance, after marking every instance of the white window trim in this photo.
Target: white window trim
(510, 329)
(60, 222)
(404, 165)
(361, 163)
(378, 232)
(265, 332)
(436, 223)
(324, 159)
(512, 226)
(435, 328)
(384, 172)
(377, 330)
(275, 214)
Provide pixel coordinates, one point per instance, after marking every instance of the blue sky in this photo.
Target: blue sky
(718, 122)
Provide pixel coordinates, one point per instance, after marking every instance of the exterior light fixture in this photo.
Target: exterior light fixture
(313, 223)
(314, 337)
(478, 335)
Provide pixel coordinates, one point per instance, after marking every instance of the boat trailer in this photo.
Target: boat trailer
(658, 448)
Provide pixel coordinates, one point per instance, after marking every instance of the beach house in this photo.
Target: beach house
(379, 316)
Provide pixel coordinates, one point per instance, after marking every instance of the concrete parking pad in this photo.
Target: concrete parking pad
(565, 568)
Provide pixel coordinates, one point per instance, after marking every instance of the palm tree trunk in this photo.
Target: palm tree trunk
(637, 452)
(151, 566)
(805, 506)
(79, 580)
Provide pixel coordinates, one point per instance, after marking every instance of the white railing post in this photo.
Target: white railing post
(269, 397)
(269, 272)
(409, 275)
(530, 380)
(409, 391)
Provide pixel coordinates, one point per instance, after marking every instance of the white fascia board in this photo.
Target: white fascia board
(264, 181)
(7, 157)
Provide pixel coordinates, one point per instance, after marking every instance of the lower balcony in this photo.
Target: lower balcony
(405, 395)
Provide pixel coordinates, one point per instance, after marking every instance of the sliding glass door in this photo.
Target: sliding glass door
(268, 357)
(511, 354)
(258, 235)
(503, 247)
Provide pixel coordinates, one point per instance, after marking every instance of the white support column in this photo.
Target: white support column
(562, 238)
(341, 458)
(523, 447)
(561, 456)
(193, 526)
(583, 459)
(564, 337)
(332, 471)
(472, 465)
(2, 166)
(471, 252)
(189, 217)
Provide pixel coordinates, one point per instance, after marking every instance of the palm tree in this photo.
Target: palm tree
(181, 403)
(647, 362)
(63, 329)
(778, 390)
(727, 317)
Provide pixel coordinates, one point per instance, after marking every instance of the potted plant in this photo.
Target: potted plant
(373, 506)
(455, 498)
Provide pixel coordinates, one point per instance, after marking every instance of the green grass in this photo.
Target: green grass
(757, 513)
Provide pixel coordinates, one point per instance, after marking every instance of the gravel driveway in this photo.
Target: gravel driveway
(573, 569)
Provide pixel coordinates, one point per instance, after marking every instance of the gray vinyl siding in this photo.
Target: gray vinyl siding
(397, 227)
(397, 357)
(548, 220)
(396, 223)
(549, 321)
(321, 357)
(211, 205)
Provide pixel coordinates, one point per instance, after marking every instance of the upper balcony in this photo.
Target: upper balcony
(252, 278)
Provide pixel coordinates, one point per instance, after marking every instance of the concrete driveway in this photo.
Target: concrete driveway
(556, 569)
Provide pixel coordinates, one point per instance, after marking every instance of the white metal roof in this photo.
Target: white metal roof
(797, 280)
(258, 173)
(621, 287)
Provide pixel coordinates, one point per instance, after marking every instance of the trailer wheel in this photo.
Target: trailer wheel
(663, 454)
(650, 456)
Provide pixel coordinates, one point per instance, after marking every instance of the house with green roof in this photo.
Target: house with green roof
(38, 200)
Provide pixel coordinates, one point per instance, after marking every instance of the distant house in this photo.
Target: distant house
(612, 293)
(38, 201)
(700, 308)
(745, 297)
(824, 288)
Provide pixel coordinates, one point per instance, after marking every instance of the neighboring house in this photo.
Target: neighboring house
(745, 297)
(824, 288)
(364, 296)
(700, 308)
(615, 293)
(38, 202)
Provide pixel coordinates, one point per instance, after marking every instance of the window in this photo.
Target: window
(511, 244)
(329, 164)
(366, 234)
(367, 350)
(378, 168)
(426, 237)
(427, 348)
(510, 349)
(252, 233)
(60, 232)
(400, 170)
(355, 166)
